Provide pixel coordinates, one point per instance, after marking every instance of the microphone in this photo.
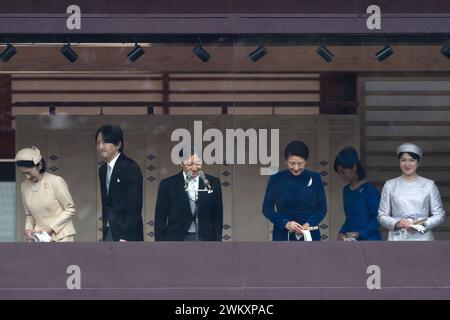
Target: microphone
(188, 179)
(202, 175)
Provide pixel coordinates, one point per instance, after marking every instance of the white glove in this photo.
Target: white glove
(419, 228)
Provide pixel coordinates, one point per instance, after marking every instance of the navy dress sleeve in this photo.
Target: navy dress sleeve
(321, 202)
(269, 205)
(372, 199)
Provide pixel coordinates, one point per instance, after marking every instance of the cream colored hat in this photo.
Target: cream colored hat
(29, 154)
(409, 147)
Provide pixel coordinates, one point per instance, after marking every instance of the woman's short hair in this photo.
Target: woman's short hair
(413, 155)
(346, 159)
(296, 148)
(30, 164)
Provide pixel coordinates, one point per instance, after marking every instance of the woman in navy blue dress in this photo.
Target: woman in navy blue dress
(295, 198)
(361, 199)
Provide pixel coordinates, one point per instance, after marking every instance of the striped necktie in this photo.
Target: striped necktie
(108, 178)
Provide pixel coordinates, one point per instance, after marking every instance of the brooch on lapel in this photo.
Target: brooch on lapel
(118, 180)
(309, 183)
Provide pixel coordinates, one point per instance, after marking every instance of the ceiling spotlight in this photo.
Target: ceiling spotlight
(201, 53)
(69, 53)
(135, 53)
(258, 53)
(384, 53)
(326, 54)
(8, 52)
(445, 50)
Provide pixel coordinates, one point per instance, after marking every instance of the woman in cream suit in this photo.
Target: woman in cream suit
(410, 205)
(46, 199)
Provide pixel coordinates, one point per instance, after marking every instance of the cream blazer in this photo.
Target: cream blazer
(48, 203)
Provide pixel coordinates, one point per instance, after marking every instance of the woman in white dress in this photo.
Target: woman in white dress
(410, 205)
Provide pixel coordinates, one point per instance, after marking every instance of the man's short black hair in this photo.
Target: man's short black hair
(111, 134)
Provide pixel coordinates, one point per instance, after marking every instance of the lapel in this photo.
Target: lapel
(103, 180)
(115, 174)
(185, 197)
(201, 194)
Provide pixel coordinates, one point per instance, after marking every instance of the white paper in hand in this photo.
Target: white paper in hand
(42, 236)
(306, 234)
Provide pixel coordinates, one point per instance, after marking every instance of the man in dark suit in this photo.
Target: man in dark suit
(121, 188)
(182, 212)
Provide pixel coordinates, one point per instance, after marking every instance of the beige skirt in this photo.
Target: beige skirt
(66, 239)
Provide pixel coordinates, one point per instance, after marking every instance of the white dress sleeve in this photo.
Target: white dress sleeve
(384, 211)
(436, 209)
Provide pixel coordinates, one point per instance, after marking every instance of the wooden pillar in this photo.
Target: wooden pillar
(7, 142)
(6, 131)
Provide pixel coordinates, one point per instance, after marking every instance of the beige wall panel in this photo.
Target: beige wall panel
(195, 111)
(149, 171)
(76, 85)
(83, 74)
(411, 115)
(391, 146)
(124, 110)
(77, 165)
(227, 173)
(323, 145)
(297, 110)
(16, 111)
(244, 97)
(249, 85)
(248, 191)
(408, 131)
(407, 85)
(78, 110)
(407, 100)
(250, 110)
(85, 97)
(249, 223)
(246, 75)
